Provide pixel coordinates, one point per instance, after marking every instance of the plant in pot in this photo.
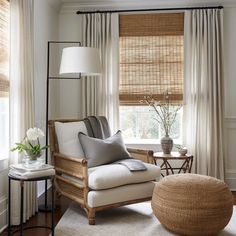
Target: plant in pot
(166, 113)
(31, 147)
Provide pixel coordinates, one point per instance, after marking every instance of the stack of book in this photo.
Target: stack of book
(20, 171)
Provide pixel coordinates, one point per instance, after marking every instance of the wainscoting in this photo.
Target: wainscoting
(3, 193)
(230, 152)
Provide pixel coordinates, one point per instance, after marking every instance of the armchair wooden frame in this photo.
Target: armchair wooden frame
(78, 169)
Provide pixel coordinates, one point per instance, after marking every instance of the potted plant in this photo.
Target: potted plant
(31, 146)
(165, 115)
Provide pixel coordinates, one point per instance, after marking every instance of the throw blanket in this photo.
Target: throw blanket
(132, 164)
(97, 127)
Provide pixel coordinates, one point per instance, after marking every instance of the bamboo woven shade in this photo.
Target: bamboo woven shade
(151, 57)
(4, 48)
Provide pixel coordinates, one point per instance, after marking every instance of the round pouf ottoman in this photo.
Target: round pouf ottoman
(190, 204)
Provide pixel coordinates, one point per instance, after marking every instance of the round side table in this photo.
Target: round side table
(22, 181)
(186, 167)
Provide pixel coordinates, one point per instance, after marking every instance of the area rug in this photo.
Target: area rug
(131, 220)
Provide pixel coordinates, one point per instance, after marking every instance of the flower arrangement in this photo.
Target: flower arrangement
(165, 111)
(30, 144)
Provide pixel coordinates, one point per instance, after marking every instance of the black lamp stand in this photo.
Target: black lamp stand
(46, 207)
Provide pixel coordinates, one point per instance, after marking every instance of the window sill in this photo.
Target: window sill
(3, 158)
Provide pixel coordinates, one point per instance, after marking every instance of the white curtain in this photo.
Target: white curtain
(21, 96)
(204, 110)
(100, 95)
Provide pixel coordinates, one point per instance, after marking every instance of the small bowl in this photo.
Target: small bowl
(183, 151)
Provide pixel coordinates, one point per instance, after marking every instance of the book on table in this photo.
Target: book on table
(20, 171)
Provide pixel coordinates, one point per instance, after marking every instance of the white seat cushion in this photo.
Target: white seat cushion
(114, 175)
(67, 137)
(120, 194)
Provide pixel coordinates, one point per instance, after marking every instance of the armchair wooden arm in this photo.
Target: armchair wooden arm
(143, 155)
(76, 167)
(76, 189)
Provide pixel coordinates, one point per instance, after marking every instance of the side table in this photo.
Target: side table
(166, 166)
(10, 178)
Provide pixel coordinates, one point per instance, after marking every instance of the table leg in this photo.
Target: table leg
(155, 162)
(166, 167)
(191, 164)
(163, 164)
(21, 206)
(9, 206)
(184, 167)
(52, 207)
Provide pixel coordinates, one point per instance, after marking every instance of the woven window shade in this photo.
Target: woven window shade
(151, 57)
(4, 48)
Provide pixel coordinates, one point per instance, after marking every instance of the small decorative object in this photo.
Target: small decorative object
(31, 148)
(165, 116)
(181, 149)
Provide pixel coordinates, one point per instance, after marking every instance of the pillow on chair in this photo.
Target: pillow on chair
(99, 152)
(67, 137)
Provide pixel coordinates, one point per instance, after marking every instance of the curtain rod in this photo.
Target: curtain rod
(143, 10)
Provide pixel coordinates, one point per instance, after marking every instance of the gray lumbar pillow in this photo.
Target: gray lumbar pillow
(103, 151)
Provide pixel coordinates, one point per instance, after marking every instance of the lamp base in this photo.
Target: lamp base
(45, 208)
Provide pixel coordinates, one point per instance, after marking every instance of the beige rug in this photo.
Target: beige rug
(132, 220)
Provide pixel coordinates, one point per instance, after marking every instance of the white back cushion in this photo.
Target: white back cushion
(67, 137)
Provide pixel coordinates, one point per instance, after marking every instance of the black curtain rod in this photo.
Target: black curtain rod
(143, 10)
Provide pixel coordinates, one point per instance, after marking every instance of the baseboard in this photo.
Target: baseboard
(3, 228)
(230, 179)
(3, 213)
(231, 183)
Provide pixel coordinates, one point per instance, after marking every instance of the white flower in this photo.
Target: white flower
(34, 133)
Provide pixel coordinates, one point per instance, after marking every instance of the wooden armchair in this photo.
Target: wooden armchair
(72, 179)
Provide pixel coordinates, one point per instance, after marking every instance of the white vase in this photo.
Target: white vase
(33, 161)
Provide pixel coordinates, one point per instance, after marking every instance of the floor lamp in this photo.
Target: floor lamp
(76, 61)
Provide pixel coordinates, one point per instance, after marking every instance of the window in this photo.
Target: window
(138, 123)
(151, 62)
(4, 78)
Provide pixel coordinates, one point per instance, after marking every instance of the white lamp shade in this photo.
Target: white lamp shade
(77, 61)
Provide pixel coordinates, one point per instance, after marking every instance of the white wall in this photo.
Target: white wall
(69, 28)
(45, 29)
(230, 94)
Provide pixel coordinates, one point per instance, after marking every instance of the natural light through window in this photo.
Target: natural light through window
(138, 125)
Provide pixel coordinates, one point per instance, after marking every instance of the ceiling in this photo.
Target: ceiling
(157, 2)
(73, 5)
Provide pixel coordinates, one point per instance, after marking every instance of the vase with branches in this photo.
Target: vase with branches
(165, 115)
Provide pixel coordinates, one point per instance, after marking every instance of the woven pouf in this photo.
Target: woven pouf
(190, 204)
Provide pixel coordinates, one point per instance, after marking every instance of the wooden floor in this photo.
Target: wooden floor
(45, 218)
